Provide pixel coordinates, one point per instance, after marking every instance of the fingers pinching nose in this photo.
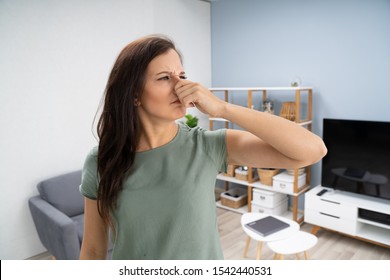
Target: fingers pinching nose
(177, 79)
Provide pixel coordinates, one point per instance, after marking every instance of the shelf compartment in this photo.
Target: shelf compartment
(259, 185)
(376, 224)
(371, 232)
(241, 210)
(233, 180)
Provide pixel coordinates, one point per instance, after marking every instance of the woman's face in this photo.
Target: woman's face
(158, 102)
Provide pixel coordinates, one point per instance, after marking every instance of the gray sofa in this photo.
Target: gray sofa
(58, 214)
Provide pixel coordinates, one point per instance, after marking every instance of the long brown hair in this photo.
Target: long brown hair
(118, 127)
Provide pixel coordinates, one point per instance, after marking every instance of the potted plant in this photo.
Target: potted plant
(192, 121)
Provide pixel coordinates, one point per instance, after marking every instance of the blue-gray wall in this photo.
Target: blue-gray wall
(340, 47)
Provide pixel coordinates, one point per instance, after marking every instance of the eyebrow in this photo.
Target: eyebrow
(167, 72)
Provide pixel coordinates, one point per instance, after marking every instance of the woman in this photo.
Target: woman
(151, 180)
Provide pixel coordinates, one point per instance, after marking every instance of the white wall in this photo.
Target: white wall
(55, 58)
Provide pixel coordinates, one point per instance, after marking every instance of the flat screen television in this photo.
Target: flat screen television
(358, 158)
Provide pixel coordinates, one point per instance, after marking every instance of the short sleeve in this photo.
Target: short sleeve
(214, 143)
(89, 180)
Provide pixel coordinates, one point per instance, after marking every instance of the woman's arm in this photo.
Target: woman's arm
(269, 140)
(95, 240)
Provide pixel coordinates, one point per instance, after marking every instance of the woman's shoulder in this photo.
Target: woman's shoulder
(191, 131)
(199, 132)
(93, 152)
(91, 158)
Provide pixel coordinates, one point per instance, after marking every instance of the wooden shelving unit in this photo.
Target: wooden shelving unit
(298, 92)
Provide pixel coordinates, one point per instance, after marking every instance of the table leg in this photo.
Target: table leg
(306, 257)
(259, 250)
(248, 240)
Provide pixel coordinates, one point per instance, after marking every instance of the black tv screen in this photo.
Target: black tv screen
(358, 158)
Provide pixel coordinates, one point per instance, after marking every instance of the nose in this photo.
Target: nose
(175, 77)
(174, 80)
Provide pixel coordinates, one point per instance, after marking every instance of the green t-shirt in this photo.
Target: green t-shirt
(166, 209)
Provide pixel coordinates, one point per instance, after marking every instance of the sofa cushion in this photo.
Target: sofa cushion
(63, 193)
(79, 222)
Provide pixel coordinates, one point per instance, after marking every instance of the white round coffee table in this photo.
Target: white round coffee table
(297, 243)
(281, 234)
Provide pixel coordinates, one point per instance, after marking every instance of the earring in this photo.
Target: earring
(137, 103)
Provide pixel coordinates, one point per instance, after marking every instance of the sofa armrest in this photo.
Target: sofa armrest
(56, 231)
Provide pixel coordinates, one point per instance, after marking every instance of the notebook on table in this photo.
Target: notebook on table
(266, 226)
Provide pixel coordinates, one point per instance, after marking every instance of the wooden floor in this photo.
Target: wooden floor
(330, 246)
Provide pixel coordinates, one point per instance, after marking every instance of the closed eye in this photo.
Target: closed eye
(167, 78)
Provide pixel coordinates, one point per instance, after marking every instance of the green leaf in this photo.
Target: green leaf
(192, 121)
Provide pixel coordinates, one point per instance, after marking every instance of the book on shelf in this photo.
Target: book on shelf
(266, 226)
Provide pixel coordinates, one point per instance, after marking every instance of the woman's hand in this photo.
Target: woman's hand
(194, 94)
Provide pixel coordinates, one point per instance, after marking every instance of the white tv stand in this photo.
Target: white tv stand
(339, 211)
